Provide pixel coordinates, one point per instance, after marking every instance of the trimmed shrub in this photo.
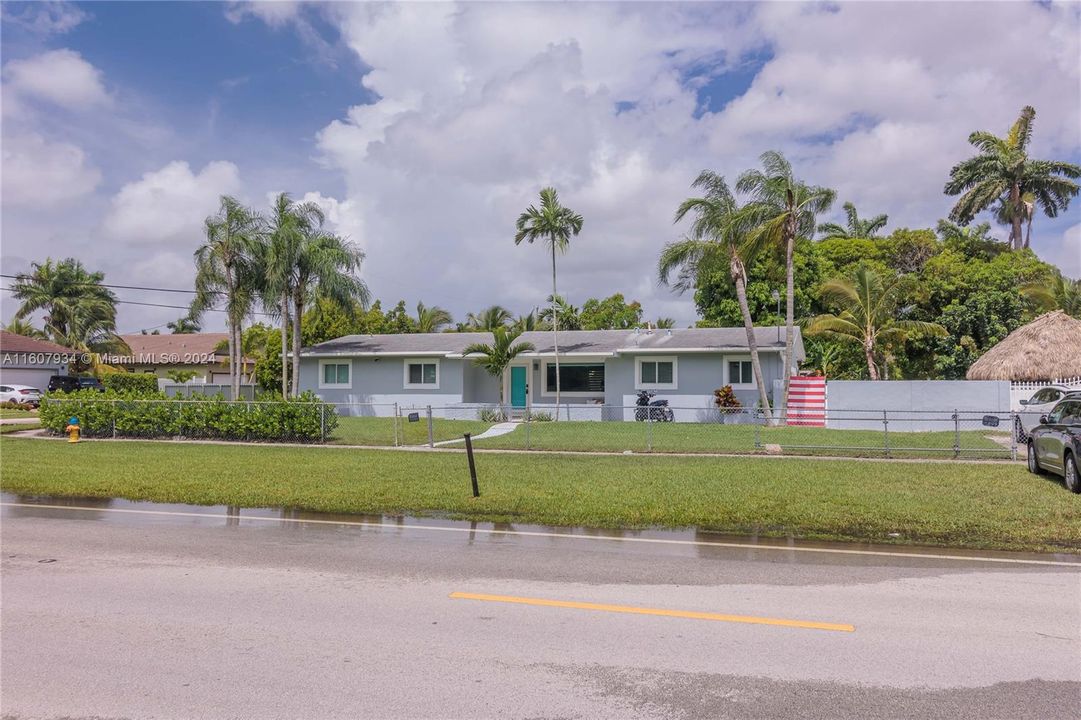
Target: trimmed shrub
(138, 383)
(302, 419)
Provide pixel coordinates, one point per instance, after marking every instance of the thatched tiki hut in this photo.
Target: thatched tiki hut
(1046, 350)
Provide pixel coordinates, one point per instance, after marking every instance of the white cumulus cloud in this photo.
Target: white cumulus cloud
(61, 77)
(39, 173)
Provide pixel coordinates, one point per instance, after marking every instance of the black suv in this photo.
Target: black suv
(1055, 444)
(71, 383)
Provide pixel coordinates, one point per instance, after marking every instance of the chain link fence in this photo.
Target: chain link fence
(571, 428)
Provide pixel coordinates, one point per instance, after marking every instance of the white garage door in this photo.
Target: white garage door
(33, 378)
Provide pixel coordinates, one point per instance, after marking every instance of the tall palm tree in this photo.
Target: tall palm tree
(869, 306)
(781, 209)
(1003, 172)
(286, 227)
(22, 327)
(432, 319)
(1061, 293)
(719, 235)
(489, 319)
(496, 357)
(554, 224)
(225, 270)
(327, 268)
(664, 323)
(854, 227)
(529, 322)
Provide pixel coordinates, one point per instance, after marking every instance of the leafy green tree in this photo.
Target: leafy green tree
(24, 328)
(720, 236)
(496, 357)
(181, 376)
(186, 325)
(555, 225)
(529, 322)
(611, 313)
(664, 323)
(489, 319)
(782, 209)
(226, 270)
(569, 315)
(854, 227)
(1003, 173)
(973, 241)
(79, 313)
(869, 308)
(398, 321)
(327, 320)
(907, 251)
(432, 319)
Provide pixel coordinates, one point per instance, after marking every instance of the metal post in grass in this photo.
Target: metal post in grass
(956, 435)
(886, 431)
(757, 429)
(528, 422)
(114, 419)
(1014, 424)
(322, 422)
(396, 416)
(649, 429)
(472, 465)
(431, 429)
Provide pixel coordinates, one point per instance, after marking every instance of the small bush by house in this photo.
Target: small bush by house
(140, 383)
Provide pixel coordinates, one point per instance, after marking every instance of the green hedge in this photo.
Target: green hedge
(131, 382)
(303, 419)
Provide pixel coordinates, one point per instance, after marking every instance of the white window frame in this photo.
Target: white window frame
(335, 361)
(728, 377)
(639, 385)
(421, 385)
(544, 392)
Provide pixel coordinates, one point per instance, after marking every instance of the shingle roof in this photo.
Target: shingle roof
(156, 349)
(596, 342)
(12, 343)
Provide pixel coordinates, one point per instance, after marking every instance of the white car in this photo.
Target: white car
(20, 394)
(1036, 406)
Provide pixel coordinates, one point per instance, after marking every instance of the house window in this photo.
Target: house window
(740, 372)
(584, 378)
(656, 373)
(333, 374)
(422, 374)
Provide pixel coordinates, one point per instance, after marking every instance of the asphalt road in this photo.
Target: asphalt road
(112, 615)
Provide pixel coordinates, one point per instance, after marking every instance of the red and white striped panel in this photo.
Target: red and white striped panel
(807, 401)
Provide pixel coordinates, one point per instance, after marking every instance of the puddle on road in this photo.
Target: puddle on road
(682, 543)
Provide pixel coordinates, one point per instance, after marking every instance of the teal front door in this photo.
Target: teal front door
(517, 386)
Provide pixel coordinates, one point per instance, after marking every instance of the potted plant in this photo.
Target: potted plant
(726, 401)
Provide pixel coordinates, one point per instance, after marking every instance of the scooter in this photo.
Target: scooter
(653, 410)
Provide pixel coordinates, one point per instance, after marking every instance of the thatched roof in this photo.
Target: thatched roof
(1048, 348)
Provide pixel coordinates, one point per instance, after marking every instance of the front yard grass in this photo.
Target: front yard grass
(380, 430)
(7, 413)
(740, 438)
(18, 427)
(951, 504)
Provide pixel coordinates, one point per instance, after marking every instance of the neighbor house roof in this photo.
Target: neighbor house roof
(1048, 348)
(13, 343)
(163, 349)
(571, 342)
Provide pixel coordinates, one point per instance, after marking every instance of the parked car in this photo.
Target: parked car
(1041, 403)
(23, 394)
(1055, 444)
(71, 383)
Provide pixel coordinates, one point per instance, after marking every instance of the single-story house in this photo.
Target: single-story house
(598, 368)
(29, 361)
(161, 354)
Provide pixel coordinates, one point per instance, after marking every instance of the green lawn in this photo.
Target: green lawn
(739, 438)
(380, 431)
(955, 504)
(6, 413)
(17, 427)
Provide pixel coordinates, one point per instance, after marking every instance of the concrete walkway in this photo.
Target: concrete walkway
(28, 420)
(494, 431)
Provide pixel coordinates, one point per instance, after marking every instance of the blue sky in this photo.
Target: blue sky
(423, 129)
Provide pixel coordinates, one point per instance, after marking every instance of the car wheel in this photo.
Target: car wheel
(1073, 482)
(1033, 463)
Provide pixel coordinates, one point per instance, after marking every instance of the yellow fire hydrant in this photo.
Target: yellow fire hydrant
(72, 430)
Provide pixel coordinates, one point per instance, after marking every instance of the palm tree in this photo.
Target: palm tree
(289, 222)
(854, 227)
(225, 270)
(496, 357)
(1060, 293)
(489, 319)
(432, 319)
(718, 236)
(664, 323)
(185, 325)
(529, 322)
(569, 318)
(554, 224)
(1002, 172)
(781, 209)
(326, 268)
(869, 305)
(22, 327)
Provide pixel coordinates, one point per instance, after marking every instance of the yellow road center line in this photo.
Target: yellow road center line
(748, 619)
